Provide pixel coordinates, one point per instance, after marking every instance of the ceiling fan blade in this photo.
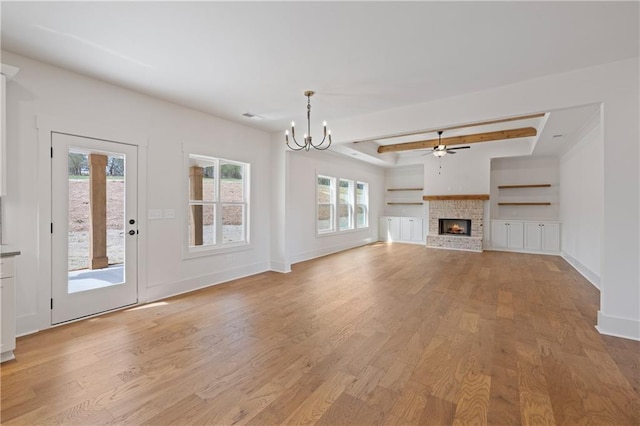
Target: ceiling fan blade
(450, 152)
(460, 147)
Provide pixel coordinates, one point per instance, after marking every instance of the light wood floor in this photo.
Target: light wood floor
(383, 334)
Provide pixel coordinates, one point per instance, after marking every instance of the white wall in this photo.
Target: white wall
(40, 90)
(582, 201)
(616, 86)
(469, 170)
(302, 241)
(404, 177)
(523, 171)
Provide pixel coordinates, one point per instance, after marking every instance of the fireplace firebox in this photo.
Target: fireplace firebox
(454, 227)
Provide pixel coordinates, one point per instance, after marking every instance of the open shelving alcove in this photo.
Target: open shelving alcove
(526, 203)
(404, 203)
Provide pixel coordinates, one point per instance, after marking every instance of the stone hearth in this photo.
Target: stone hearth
(456, 209)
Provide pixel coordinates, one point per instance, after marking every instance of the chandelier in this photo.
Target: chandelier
(308, 144)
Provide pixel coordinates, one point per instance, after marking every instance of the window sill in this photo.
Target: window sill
(194, 253)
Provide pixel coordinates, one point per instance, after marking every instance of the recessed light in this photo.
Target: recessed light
(251, 116)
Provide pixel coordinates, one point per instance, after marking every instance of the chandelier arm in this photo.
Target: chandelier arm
(296, 142)
(319, 146)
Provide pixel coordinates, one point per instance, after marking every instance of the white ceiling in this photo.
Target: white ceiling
(259, 57)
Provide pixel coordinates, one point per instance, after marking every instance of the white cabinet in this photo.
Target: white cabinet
(542, 236)
(507, 234)
(401, 229)
(7, 308)
(411, 229)
(528, 236)
(389, 229)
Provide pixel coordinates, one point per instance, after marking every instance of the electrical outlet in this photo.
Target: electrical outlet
(169, 214)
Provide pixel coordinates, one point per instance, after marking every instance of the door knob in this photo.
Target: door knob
(132, 232)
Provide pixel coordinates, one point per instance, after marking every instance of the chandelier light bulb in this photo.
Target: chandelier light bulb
(293, 124)
(324, 124)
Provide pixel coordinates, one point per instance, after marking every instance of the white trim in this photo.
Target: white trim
(583, 270)
(523, 251)
(281, 267)
(9, 71)
(27, 324)
(618, 327)
(330, 250)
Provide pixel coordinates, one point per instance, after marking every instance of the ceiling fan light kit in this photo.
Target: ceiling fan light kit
(442, 150)
(308, 142)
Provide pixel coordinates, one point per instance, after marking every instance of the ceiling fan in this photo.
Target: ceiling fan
(441, 150)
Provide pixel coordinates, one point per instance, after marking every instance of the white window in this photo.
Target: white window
(342, 204)
(218, 203)
(346, 202)
(326, 207)
(362, 204)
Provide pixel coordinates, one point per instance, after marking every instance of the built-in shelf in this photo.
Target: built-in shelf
(524, 204)
(404, 204)
(405, 189)
(456, 197)
(535, 185)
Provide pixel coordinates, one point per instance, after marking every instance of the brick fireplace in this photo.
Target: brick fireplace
(456, 209)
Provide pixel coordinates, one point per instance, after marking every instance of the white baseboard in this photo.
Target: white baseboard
(330, 250)
(162, 291)
(584, 271)
(618, 327)
(510, 250)
(28, 324)
(277, 266)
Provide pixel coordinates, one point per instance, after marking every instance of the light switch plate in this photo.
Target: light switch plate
(154, 214)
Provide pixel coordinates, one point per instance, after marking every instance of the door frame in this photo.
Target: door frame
(109, 131)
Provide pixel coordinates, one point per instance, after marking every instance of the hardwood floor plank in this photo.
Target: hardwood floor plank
(312, 408)
(381, 334)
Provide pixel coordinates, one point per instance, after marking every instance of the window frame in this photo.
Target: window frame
(336, 206)
(332, 204)
(218, 246)
(366, 204)
(350, 204)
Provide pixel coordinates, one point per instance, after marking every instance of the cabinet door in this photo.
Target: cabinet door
(405, 228)
(516, 235)
(498, 233)
(532, 236)
(394, 228)
(416, 230)
(550, 236)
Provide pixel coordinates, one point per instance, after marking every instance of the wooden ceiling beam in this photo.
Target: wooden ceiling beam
(461, 140)
(462, 126)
